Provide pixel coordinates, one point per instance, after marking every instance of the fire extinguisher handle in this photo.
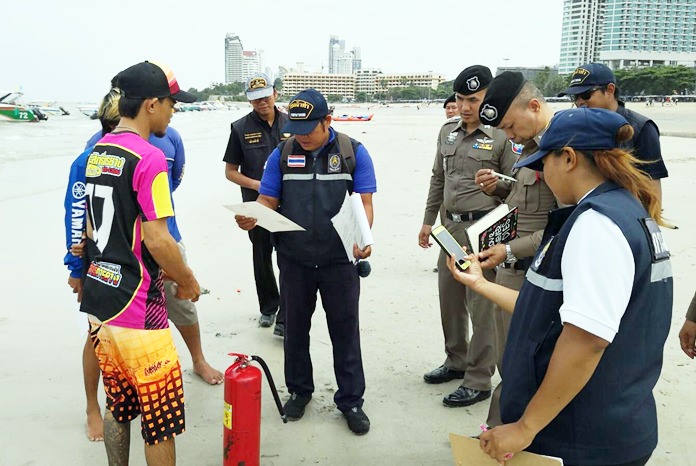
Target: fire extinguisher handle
(267, 371)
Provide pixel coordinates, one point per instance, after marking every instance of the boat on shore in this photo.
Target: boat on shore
(353, 117)
(89, 110)
(12, 111)
(48, 108)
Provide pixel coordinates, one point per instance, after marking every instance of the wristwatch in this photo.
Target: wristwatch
(510, 256)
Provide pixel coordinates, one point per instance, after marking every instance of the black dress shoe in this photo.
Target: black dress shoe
(442, 374)
(279, 329)
(464, 396)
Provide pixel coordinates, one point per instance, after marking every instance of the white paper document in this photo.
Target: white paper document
(352, 225)
(265, 217)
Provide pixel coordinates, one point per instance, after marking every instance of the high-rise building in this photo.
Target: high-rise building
(581, 35)
(234, 53)
(647, 33)
(357, 59)
(250, 63)
(623, 33)
(334, 50)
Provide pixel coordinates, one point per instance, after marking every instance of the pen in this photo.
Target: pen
(484, 428)
(504, 177)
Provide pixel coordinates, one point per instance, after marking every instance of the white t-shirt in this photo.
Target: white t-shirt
(598, 271)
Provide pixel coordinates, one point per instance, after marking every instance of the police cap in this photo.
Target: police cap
(472, 80)
(499, 96)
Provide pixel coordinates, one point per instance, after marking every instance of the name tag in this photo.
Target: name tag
(252, 138)
(482, 146)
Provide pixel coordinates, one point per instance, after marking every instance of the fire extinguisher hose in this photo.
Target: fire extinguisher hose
(267, 371)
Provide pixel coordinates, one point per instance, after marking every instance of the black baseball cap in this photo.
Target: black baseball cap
(147, 80)
(305, 111)
(472, 79)
(499, 96)
(588, 77)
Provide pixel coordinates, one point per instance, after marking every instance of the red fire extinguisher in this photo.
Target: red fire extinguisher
(242, 413)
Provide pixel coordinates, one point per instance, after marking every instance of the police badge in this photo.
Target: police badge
(334, 163)
(473, 83)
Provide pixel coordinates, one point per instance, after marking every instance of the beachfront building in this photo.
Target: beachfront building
(367, 81)
(328, 84)
(529, 72)
(581, 36)
(234, 53)
(429, 79)
(625, 34)
(649, 32)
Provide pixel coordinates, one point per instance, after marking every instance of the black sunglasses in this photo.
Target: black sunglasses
(587, 94)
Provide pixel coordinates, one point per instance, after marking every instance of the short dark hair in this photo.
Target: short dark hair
(129, 107)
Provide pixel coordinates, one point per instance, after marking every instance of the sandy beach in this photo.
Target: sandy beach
(41, 392)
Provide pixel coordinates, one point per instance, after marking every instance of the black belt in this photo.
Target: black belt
(520, 264)
(466, 216)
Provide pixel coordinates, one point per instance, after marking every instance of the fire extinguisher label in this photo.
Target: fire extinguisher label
(227, 416)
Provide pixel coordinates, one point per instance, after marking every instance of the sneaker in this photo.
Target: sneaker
(266, 320)
(295, 406)
(279, 330)
(358, 422)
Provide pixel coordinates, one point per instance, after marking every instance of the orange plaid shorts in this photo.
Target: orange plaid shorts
(142, 376)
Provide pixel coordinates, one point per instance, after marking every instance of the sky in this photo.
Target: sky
(68, 50)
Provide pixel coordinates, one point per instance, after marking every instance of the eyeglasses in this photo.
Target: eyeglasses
(587, 94)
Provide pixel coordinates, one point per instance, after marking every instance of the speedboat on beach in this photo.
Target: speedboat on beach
(48, 108)
(353, 117)
(12, 111)
(89, 110)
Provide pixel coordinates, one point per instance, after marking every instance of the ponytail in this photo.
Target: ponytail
(619, 166)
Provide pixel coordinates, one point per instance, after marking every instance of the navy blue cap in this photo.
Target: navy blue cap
(580, 128)
(588, 77)
(305, 111)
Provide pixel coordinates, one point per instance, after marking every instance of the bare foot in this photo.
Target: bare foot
(95, 426)
(206, 372)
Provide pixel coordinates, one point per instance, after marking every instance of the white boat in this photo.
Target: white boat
(48, 108)
(89, 110)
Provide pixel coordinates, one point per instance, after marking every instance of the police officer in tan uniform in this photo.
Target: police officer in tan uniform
(517, 107)
(463, 148)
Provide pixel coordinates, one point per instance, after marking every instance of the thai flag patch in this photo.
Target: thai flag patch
(517, 148)
(296, 161)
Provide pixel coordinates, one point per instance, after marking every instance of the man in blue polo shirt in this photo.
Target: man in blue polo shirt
(308, 185)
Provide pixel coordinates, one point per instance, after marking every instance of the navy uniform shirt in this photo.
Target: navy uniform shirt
(251, 142)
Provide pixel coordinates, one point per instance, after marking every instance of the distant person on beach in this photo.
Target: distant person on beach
(517, 107)
(129, 245)
(306, 179)
(450, 106)
(687, 334)
(594, 85)
(464, 146)
(586, 341)
(252, 138)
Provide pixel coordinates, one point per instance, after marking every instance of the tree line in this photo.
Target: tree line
(656, 80)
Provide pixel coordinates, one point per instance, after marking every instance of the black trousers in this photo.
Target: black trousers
(639, 462)
(266, 286)
(339, 287)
